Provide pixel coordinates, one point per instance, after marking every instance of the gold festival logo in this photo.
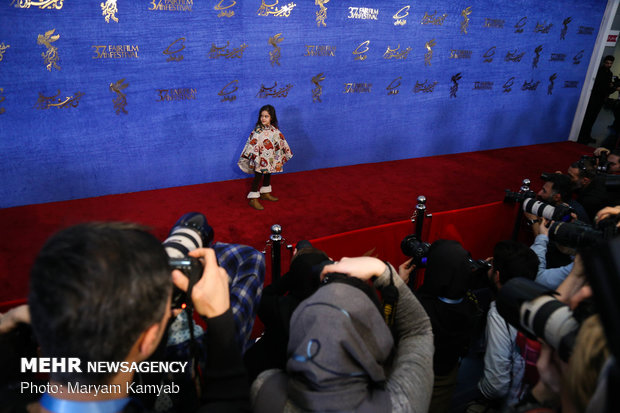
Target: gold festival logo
(50, 57)
(578, 57)
(530, 85)
(508, 85)
(429, 51)
(178, 94)
(45, 4)
(537, 57)
(488, 55)
(2, 99)
(400, 16)
(109, 10)
(321, 15)
(265, 92)
(392, 53)
(227, 95)
(216, 52)
(270, 9)
(425, 87)
(274, 55)
(520, 24)
(222, 12)
(551, 80)
(121, 99)
(565, 24)
(465, 24)
(317, 92)
(359, 54)
(172, 54)
(357, 88)
(514, 56)
(392, 88)
(45, 102)
(171, 5)
(542, 28)
(431, 19)
(363, 13)
(3, 48)
(455, 84)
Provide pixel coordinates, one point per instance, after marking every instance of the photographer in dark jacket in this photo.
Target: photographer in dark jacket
(603, 87)
(590, 188)
(102, 292)
(453, 314)
(278, 302)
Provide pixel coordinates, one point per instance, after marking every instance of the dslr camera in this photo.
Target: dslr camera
(543, 209)
(598, 163)
(191, 231)
(533, 310)
(583, 236)
(192, 269)
(412, 247)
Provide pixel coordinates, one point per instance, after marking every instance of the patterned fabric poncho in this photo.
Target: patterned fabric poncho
(266, 151)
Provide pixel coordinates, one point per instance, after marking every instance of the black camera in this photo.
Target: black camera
(412, 247)
(511, 196)
(599, 163)
(192, 269)
(532, 309)
(583, 236)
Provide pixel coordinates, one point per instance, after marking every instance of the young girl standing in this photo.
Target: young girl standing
(265, 152)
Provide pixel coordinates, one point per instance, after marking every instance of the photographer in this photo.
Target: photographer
(549, 277)
(556, 190)
(454, 314)
(574, 357)
(278, 302)
(613, 159)
(603, 87)
(102, 292)
(504, 365)
(590, 188)
(340, 345)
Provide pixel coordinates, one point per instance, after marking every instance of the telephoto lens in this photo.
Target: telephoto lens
(533, 310)
(545, 210)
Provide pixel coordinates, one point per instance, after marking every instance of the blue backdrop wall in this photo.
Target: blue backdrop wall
(103, 97)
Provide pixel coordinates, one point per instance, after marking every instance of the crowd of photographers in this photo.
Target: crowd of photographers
(352, 335)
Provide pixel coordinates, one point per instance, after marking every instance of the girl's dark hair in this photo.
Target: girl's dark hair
(272, 112)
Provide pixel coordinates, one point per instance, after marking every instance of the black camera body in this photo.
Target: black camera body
(583, 236)
(511, 196)
(412, 247)
(598, 163)
(192, 269)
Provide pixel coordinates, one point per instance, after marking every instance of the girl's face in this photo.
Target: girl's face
(265, 118)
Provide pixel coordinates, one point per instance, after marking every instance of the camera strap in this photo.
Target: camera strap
(193, 346)
(389, 293)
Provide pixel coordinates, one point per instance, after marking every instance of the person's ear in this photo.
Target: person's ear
(496, 279)
(557, 198)
(149, 340)
(586, 181)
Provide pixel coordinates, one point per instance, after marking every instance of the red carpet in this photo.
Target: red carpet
(312, 204)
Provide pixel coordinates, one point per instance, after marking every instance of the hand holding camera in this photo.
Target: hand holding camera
(210, 295)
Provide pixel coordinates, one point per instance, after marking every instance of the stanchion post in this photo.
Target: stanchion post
(525, 187)
(420, 212)
(276, 254)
